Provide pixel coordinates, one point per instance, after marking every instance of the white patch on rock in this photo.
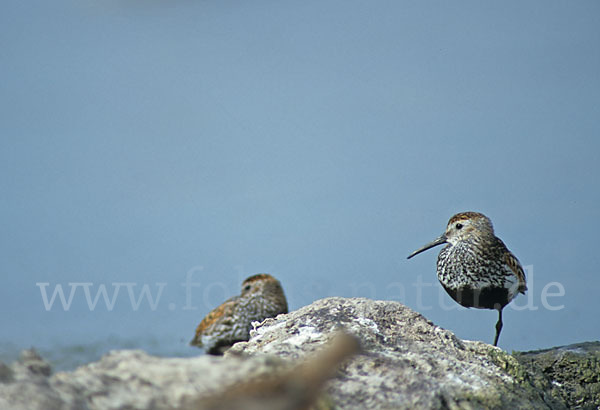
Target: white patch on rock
(305, 334)
(259, 329)
(368, 323)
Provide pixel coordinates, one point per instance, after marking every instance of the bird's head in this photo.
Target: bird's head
(461, 227)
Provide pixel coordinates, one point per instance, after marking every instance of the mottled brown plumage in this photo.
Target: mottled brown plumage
(261, 297)
(475, 267)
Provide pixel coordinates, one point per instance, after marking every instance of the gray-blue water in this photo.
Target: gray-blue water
(321, 142)
(64, 357)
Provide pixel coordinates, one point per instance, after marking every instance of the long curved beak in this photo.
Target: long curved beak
(438, 241)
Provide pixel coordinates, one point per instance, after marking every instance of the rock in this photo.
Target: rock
(406, 362)
(127, 379)
(25, 384)
(409, 362)
(574, 372)
(297, 387)
(32, 363)
(6, 373)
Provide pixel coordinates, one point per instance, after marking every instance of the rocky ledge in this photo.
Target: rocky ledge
(405, 362)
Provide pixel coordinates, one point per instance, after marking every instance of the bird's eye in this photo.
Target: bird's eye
(459, 226)
(247, 287)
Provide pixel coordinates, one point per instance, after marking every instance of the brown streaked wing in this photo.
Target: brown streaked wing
(220, 314)
(514, 265)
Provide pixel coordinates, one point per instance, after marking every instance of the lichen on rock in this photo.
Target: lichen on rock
(573, 372)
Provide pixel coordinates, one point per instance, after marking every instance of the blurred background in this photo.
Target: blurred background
(149, 144)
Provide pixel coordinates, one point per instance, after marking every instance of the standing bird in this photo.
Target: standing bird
(476, 268)
(261, 297)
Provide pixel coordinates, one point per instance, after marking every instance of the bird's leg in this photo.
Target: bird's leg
(498, 327)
